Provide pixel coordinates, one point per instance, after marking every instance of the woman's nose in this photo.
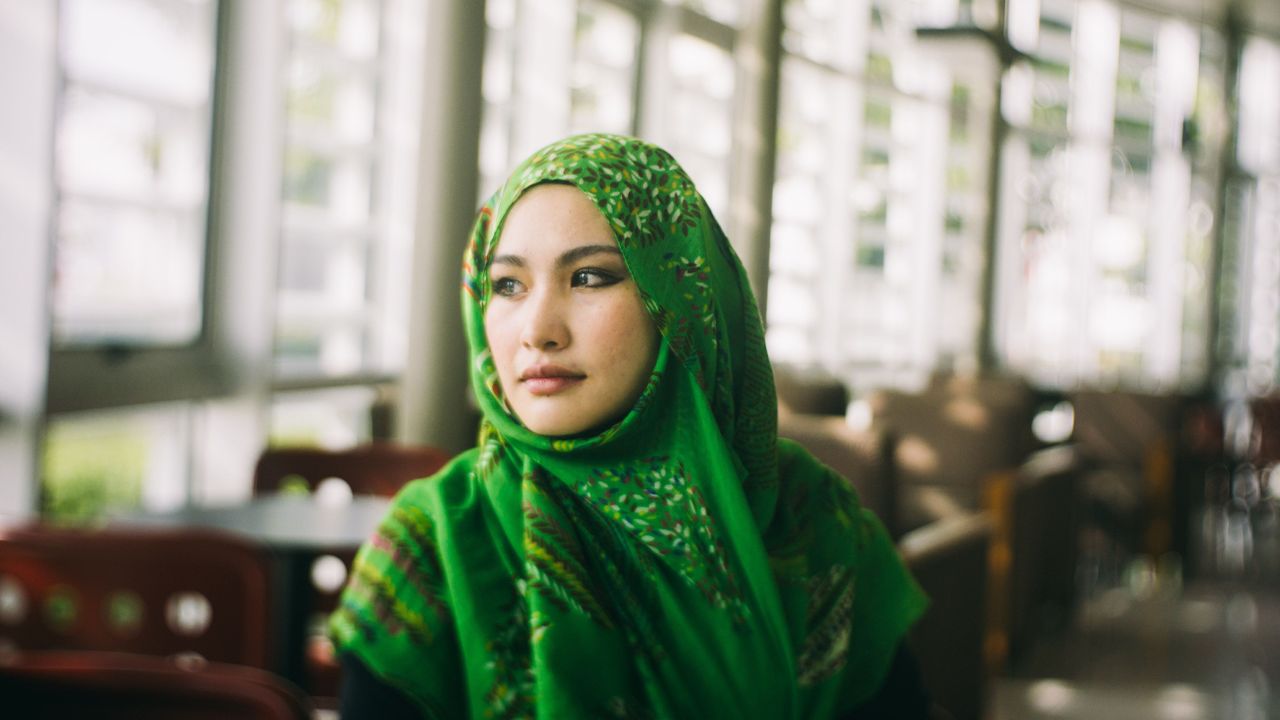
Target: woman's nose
(544, 324)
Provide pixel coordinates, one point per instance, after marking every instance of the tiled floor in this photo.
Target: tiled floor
(1155, 650)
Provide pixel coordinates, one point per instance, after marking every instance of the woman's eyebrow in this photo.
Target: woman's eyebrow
(569, 257)
(572, 256)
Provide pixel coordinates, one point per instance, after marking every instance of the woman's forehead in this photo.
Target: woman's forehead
(553, 213)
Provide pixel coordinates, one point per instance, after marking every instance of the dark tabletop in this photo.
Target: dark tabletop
(286, 521)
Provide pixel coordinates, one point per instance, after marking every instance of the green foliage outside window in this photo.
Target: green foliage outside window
(87, 473)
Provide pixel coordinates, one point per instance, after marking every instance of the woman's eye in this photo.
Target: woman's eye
(594, 277)
(506, 286)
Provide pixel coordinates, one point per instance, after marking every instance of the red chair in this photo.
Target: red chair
(152, 592)
(377, 469)
(380, 468)
(122, 686)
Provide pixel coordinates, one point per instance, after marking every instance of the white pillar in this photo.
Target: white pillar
(434, 406)
(755, 132)
(1177, 69)
(28, 83)
(1095, 56)
(229, 433)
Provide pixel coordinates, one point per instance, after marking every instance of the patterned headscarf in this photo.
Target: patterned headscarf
(682, 562)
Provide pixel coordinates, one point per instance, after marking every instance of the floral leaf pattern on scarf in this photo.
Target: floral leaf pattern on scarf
(625, 180)
(655, 501)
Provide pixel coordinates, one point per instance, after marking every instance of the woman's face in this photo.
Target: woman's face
(572, 342)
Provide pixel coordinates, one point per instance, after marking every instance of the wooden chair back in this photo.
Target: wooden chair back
(122, 686)
(153, 592)
(380, 468)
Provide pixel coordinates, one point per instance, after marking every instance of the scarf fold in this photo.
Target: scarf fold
(682, 562)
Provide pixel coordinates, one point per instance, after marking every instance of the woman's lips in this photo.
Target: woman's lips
(549, 379)
(550, 385)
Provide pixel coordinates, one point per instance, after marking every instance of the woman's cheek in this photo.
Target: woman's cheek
(498, 333)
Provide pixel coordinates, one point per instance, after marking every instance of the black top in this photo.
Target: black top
(366, 697)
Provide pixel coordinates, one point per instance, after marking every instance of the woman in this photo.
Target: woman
(629, 538)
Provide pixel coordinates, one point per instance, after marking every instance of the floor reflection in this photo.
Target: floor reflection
(1152, 648)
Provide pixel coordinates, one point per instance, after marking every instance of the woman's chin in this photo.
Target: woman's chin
(566, 421)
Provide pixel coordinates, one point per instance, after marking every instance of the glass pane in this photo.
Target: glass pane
(553, 68)
(497, 87)
(337, 188)
(347, 26)
(1262, 334)
(1135, 82)
(832, 33)
(800, 241)
(126, 149)
(543, 45)
(312, 348)
(98, 463)
(603, 69)
(127, 274)
(132, 166)
(1259, 151)
(1051, 68)
(333, 419)
(1260, 107)
(323, 308)
(152, 48)
(351, 109)
(323, 100)
(728, 12)
(699, 123)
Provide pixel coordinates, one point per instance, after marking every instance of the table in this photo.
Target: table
(294, 522)
(295, 530)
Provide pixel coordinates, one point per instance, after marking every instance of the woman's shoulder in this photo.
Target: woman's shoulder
(803, 476)
(794, 460)
(452, 486)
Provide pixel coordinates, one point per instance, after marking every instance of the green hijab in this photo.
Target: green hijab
(683, 562)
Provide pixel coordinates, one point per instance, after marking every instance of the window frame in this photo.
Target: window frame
(228, 354)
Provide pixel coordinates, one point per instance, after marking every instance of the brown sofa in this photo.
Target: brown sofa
(951, 436)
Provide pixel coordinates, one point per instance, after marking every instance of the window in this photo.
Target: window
(131, 279)
(347, 191)
(602, 75)
(860, 200)
(556, 67)
(350, 163)
(115, 460)
(335, 418)
(132, 171)
(1099, 279)
(1257, 236)
(551, 69)
(691, 108)
(134, 133)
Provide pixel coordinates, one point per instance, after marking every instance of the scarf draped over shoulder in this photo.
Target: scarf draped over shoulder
(681, 563)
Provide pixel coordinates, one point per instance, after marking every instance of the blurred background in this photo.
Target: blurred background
(229, 225)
